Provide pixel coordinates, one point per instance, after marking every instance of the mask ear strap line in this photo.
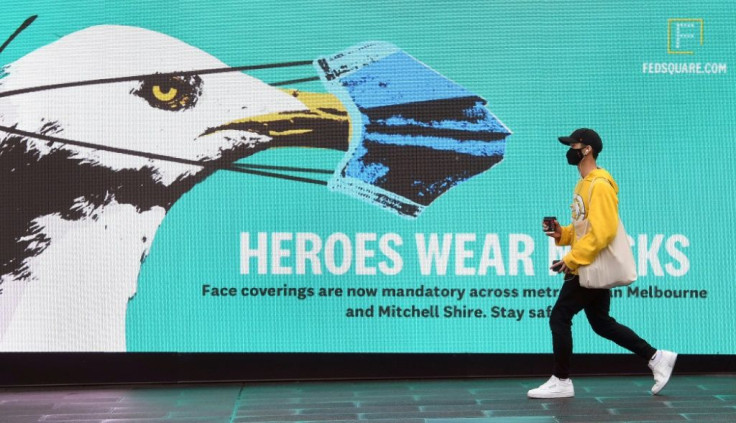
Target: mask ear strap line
(282, 168)
(165, 74)
(235, 167)
(294, 81)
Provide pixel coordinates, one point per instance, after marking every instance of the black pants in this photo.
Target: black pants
(596, 303)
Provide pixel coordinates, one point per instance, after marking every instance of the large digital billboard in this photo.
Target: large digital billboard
(356, 176)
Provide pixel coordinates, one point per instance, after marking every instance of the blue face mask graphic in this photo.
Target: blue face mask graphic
(418, 133)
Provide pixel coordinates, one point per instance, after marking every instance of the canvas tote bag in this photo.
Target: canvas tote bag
(614, 265)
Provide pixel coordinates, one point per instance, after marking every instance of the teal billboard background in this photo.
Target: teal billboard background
(545, 68)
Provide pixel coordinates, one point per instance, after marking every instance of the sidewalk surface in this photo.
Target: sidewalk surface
(700, 398)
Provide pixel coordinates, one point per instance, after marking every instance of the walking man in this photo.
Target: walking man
(600, 207)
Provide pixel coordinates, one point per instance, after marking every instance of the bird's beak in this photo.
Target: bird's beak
(325, 124)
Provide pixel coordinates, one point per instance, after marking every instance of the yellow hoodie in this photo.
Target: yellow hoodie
(601, 210)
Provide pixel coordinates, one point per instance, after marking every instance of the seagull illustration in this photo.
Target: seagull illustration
(77, 221)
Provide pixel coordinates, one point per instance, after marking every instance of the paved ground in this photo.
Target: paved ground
(598, 399)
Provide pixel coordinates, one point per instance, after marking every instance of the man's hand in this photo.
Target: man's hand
(559, 266)
(557, 233)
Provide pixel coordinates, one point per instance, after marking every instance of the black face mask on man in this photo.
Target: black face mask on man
(574, 156)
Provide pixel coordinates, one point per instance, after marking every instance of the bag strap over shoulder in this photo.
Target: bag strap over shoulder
(590, 197)
(592, 183)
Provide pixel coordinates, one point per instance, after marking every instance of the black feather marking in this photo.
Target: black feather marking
(33, 185)
(20, 29)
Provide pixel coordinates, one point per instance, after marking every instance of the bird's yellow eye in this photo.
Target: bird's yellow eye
(162, 95)
(170, 92)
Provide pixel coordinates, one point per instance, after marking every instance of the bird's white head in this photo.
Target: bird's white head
(187, 116)
(104, 129)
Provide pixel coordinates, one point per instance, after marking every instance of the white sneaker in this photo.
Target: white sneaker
(553, 388)
(662, 367)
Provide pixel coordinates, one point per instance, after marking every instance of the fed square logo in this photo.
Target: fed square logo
(684, 35)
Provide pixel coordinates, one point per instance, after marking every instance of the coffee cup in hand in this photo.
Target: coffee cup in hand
(549, 223)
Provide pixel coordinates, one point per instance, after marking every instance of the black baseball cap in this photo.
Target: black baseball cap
(586, 136)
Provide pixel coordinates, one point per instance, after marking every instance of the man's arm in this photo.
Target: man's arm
(565, 236)
(602, 227)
